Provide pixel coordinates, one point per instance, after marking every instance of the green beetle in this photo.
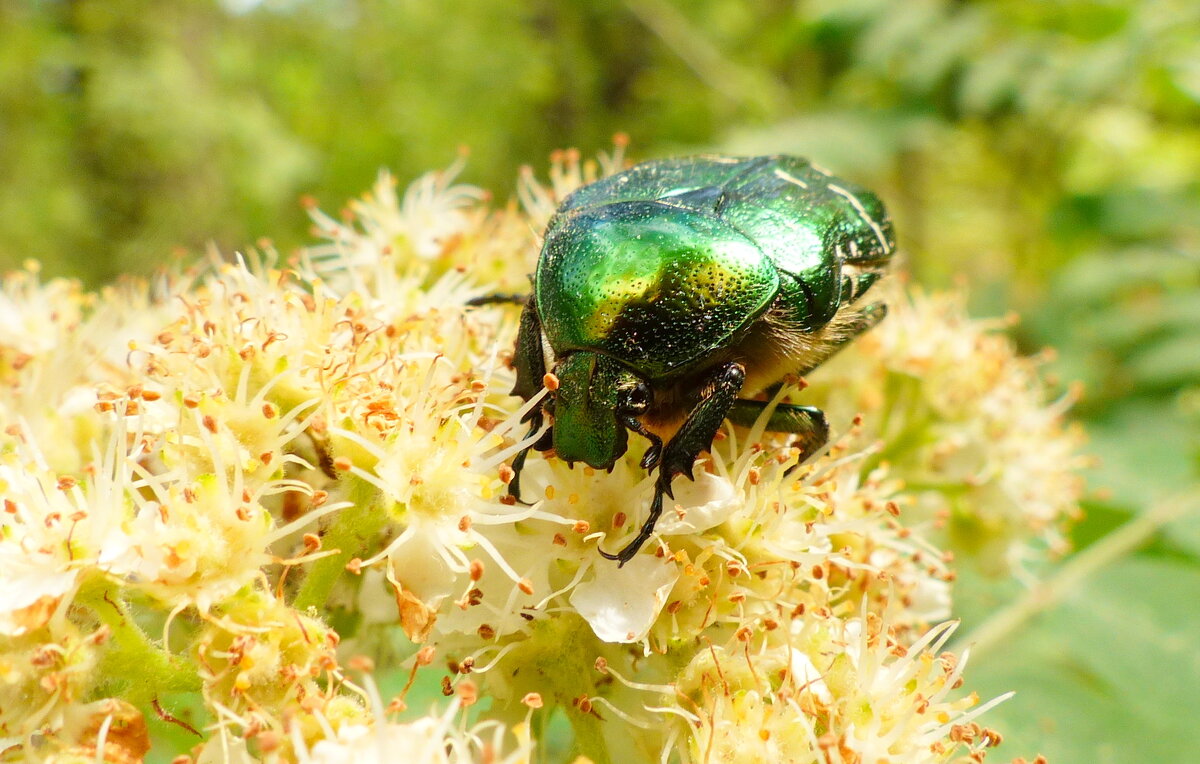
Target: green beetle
(665, 293)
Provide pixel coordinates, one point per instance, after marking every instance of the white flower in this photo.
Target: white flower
(849, 692)
(53, 529)
(964, 417)
(195, 544)
(807, 676)
(432, 739)
(34, 318)
(434, 214)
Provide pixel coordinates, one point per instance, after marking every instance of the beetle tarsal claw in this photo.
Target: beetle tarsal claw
(644, 533)
(608, 556)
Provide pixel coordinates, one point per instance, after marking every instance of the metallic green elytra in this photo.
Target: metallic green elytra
(666, 294)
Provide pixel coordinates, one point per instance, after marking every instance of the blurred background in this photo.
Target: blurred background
(1046, 153)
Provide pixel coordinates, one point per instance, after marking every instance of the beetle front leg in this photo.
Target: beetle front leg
(678, 457)
(716, 398)
(543, 443)
(531, 371)
(498, 298)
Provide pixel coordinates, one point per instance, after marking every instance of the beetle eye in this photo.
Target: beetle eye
(636, 399)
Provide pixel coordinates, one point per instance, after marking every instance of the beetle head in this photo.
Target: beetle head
(595, 397)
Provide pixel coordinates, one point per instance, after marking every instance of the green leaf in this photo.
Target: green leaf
(1143, 452)
(1111, 675)
(1170, 363)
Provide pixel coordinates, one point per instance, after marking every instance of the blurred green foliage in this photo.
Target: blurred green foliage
(1012, 136)
(1046, 150)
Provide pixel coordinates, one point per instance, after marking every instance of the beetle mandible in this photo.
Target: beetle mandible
(667, 292)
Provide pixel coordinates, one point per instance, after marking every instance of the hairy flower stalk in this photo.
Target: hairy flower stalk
(245, 499)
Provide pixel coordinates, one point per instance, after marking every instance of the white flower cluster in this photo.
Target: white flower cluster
(235, 486)
(968, 424)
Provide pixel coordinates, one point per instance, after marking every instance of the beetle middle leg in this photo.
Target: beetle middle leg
(678, 457)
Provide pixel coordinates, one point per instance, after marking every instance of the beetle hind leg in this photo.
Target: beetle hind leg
(806, 422)
(856, 282)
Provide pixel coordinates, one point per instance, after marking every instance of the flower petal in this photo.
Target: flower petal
(621, 604)
(705, 503)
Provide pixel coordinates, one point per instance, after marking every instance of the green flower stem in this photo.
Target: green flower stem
(1120, 543)
(130, 655)
(354, 527)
